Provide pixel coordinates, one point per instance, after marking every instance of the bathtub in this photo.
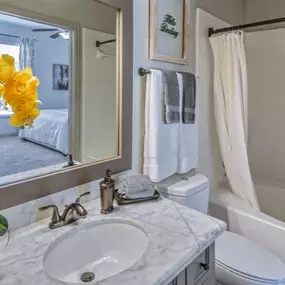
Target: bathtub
(243, 220)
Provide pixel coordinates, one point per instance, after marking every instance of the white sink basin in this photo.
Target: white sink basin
(94, 252)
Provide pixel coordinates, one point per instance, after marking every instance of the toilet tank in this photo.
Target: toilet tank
(190, 191)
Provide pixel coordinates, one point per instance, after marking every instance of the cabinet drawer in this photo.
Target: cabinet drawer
(200, 272)
(202, 264)
(201, 267)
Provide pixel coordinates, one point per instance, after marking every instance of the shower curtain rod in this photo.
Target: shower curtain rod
(241, 27)
(98, 43)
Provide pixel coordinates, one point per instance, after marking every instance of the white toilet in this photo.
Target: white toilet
(239, 261)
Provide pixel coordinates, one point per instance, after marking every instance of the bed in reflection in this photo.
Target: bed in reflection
(50, 130)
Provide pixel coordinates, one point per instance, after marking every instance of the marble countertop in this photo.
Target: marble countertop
(177, 235)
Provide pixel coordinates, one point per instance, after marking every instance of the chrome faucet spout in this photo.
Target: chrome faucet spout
(55, 214)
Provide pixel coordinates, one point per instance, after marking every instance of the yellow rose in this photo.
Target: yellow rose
(30, 92)
(17, 121)
(7, 67)
(19, 90)
(24, 114)
(16, 85)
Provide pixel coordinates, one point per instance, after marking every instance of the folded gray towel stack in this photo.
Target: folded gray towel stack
(171, 97)
(189, 98)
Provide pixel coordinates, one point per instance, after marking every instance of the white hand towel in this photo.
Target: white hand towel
(161, 140)
(188, 140)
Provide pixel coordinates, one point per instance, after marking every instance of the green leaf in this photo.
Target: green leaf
(3, 223)
(3, 227)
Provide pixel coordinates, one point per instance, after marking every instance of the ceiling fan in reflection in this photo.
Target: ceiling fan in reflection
(58, 33)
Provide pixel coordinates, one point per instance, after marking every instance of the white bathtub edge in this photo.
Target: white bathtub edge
(243, 220)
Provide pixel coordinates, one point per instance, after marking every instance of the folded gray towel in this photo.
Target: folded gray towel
(135, 186)
(189, 98)
(171, 97)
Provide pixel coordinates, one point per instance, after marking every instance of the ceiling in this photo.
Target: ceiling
(7, 19)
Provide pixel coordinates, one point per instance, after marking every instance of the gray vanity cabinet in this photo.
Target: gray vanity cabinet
(200, 272)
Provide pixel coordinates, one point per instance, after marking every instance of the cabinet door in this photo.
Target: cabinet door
(181, 278)
(200, 272)
(202, 268)
(205, 267)
(202, 264)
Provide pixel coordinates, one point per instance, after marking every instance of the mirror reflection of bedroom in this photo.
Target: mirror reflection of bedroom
(30, 151)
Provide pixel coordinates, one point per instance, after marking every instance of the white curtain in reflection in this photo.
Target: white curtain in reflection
(231, 97)
(27, 53)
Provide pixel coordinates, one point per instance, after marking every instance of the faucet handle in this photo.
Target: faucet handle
(55, 215)
(79, 198)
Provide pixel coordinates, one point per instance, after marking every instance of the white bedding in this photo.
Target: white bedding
(50, 129)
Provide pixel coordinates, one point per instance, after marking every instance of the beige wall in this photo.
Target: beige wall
(266, 69)
(260, 10)
(99, 138)
(231, 11)
(266, 91)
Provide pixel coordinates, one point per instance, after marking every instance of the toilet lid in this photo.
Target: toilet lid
(248, 258)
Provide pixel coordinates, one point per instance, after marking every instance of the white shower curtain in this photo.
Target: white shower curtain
(27, 53)
(231, 109)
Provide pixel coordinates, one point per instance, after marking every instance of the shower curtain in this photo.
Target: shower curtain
(231, 109)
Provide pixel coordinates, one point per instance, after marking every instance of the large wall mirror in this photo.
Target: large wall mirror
(77, 50)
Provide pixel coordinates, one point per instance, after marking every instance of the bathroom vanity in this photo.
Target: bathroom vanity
(178, 247)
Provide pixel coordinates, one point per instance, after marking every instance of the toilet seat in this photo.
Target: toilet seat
(242, 261)
(229, 276)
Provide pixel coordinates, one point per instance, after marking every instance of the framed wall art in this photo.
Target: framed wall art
(169, 23)
(60, 77)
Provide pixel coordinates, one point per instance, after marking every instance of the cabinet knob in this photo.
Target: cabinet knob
(205, 266)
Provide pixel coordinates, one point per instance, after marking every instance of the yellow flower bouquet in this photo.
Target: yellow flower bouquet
(18, 89)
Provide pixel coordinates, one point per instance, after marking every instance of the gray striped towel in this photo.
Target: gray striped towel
(171, 97)
(189, 98)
